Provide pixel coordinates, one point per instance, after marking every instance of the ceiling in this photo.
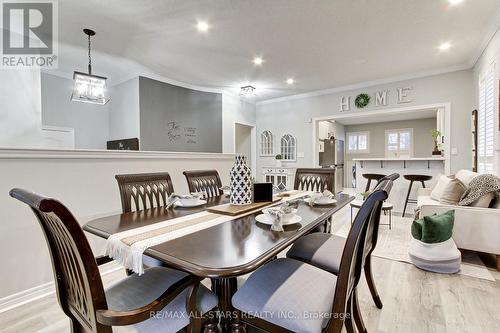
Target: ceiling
(322, 44)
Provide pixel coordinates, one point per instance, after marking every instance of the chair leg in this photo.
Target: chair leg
(371, 283)
(358, 320)
(349, 317)
(407, 197)
(76, 327)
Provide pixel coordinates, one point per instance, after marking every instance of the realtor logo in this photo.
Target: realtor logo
(29, 34)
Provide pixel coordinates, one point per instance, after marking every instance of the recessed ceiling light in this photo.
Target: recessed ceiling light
(290, 81)
(258, 61)
(202, 26)
(445, 46)
(455, 2)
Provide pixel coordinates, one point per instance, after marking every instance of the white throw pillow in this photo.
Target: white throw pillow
(439, 188)
(466, 176)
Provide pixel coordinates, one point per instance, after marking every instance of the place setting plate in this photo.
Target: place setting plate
(198, 203)
(264, 219)
(323, 202)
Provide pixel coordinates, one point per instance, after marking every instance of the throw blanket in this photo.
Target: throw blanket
(479, 186)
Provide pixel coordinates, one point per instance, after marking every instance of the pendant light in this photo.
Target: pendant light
(89, 88)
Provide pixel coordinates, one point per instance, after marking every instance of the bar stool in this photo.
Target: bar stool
(414, 178)
(370, 177)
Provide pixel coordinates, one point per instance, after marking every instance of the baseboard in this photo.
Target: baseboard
(12, 301)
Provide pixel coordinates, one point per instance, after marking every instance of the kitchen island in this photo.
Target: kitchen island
(432, 166)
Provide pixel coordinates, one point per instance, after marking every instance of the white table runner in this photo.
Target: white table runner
(128, 247)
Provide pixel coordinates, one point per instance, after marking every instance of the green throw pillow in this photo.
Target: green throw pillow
(416, 229)
(438, 228)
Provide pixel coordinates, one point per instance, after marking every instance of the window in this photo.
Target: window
(266, 144)
(288, 147)
(485, 130)
(399, 142)
(358, 142)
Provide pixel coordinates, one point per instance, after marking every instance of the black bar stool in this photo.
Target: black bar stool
(414, 178)
(370, 177)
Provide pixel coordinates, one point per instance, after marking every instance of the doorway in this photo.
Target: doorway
(244, 143)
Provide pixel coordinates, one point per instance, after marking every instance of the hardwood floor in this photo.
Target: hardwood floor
(414, 301)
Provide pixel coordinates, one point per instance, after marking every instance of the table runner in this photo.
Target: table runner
(128, 247)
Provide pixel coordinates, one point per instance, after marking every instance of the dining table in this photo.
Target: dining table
(225, 251)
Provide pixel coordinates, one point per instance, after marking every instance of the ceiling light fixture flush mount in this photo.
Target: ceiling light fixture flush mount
(89, 88)
(247, 91)
(290, 81)
(455, 2)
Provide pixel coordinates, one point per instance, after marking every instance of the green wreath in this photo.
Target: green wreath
(362, 100)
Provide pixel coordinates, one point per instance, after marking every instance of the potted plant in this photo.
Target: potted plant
(436, 135)
(279, 159)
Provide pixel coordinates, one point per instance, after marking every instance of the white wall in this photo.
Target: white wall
(234, 110)
(292, 115)
(90, 121)
(24, 256)
(491, 55)
(124, 110)
(243, 141)
(20, 108)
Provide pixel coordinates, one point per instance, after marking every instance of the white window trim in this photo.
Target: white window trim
(486, 161)
(358, 151)
(412, 142)
(272, 144)
(294, 148)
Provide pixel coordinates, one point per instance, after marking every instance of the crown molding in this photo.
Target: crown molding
(368, 84)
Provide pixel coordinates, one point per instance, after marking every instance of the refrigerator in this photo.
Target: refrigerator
(332, 156)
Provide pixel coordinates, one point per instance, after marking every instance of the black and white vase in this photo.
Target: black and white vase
(241, 182)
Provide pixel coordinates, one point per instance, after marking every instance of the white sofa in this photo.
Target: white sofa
(476, 229)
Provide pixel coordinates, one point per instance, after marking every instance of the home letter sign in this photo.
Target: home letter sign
(345, 102)
(402, 95)
(381, 98)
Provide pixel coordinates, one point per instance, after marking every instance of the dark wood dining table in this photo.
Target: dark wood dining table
(224, 251)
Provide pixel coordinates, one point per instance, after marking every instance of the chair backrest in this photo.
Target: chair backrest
(314, 179)
(384, 184)
(204, 181)
(352, 260)
(144, 190)
(78, 282)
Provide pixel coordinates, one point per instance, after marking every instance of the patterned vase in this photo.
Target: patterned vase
(241, 182)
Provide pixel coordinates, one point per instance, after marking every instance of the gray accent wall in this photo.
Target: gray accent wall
(178, 119)
(90, 121)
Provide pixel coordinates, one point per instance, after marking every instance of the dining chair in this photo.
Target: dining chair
(144, 190)
(288, 295)
(207, 181)
(325, 250)
(317, 180)
(134, 304)
(314, 179)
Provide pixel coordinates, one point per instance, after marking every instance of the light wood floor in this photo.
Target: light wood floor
(414, 301)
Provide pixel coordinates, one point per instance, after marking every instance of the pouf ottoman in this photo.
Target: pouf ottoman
(432, 248)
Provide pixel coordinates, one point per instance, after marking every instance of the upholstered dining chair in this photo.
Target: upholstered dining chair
(207, 181)
(318, 180)
(325, 250)
(314, 179)
(287, 295)
(142, 191)
(128, 305)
